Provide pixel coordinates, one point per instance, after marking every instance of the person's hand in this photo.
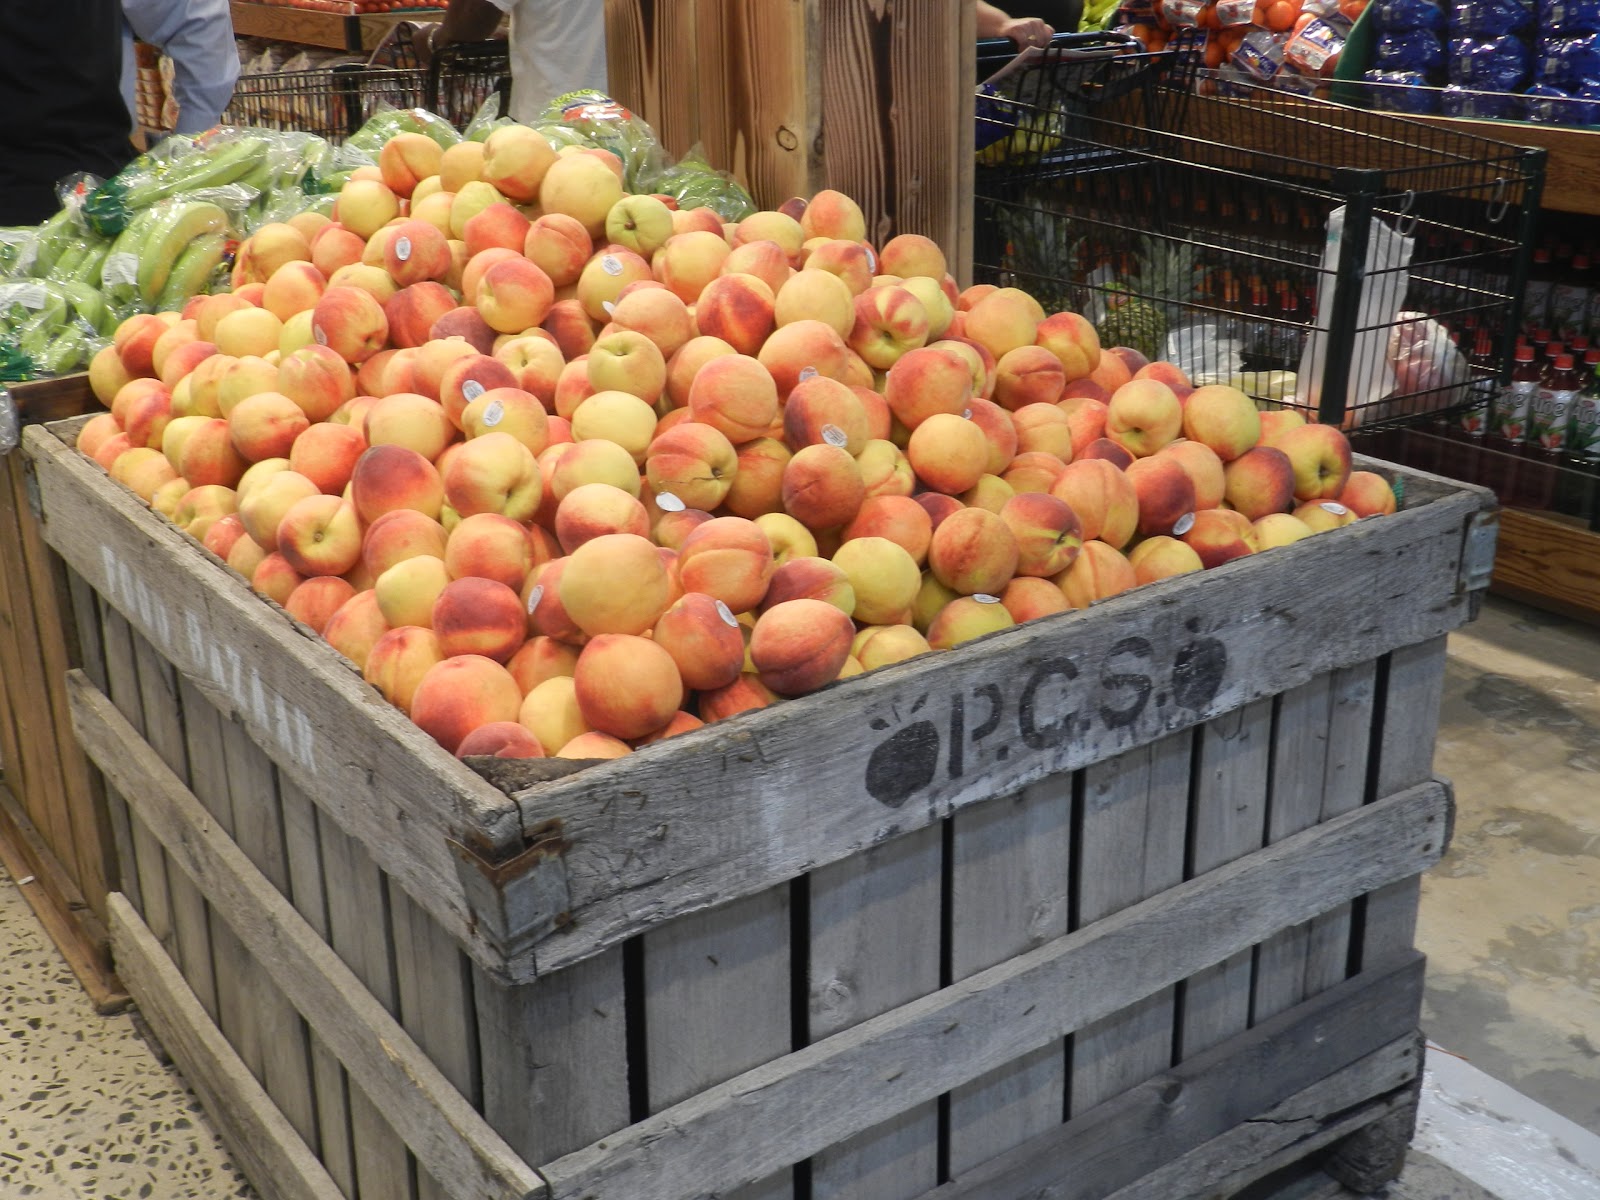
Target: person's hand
(1027, 32)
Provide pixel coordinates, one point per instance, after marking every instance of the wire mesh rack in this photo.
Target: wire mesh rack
(333, 102)
(1357, 266)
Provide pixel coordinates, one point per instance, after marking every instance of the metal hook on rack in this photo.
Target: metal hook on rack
(1402, 226)
(1500, 200)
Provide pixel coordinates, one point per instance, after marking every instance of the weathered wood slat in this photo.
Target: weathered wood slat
(1344, 790)
(266, 1146)
(1179, 1112)
(448, 1137)
(554, 1057)
(1226, 823)
(1135, 822)
(890, 1064)
(1413, 693)
(377, 775)
(875, 946)
(1011, 888)
(746, 803)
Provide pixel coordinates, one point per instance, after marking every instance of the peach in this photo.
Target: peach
(999, 431)
(399, 660)
(499, 226)
(1112, 452)
(102, 426)
(500, 739)
(739, 309)
(461, 694)
(1099, 572)
(889, 321)
(927, 381)
(460, 164)
(293, 288)
(406, 159)
(114, 447)
(541, 599)
(315, 601)
(703, 638)
(135, 339)
(276, 243)
(1204, 468)
(1222, 418)
(1110, 373)
(1260, 481)
(1144, 415)
(948, 453)
(804, 349)
(583, 187)
(333, 247)
(1028, 375)
(275, 579)
(266, 425)
(639, 223)
(900, 519)
(616, 417)
(541, 658)
(990, 492)
(144, 470)
(1166, 494)
(355, 627)
(1027, 598)
(729, 559)
(885, 470)
(1367, 494)
(1033, 471)
(387, 478)
(1086, 417)
(965, 618)
(1103, 497)
(682, 722)
(658, 314)
(245, 556)
(812, 578)
(207, 454)
(973, 551)
(364, 207)
(689, 262)
(735, 395)
(493, 473)
(615, 583)
(1320, 458)
(348, 320)
(763, 260)
(1279, 529)
(465, 378)
(1163, 372)
(466, 323)
(595, 746)
(1215, 537)
(406, 591)
(1073, 341)
(1003, 320)
(245, 331)
(1043, 428)
(800, 645)
(373, 280)
(592, 460)
(398, 535)
(1047, 533)
(883, 575)
(825, 411)
(850, 261)
(832, 214)
(626, 685)
(550, 711)
(694, 462)
(774, 227)
(410, 420)
(1322, 515)
(884, 645)
(513, 295)
(572, 387)
(822, 487)
(1276, 421)
(786, 536)
(488, 546)
(757, 488)
(472, 615)
(413, 311)
(815, 295)
(627, 361)
(1162, 557)
(515, 161)
(594, 509)
(327, 454)
(144, 415)
(536, 362)
(744, 694)
(559, 246)
(319, 535)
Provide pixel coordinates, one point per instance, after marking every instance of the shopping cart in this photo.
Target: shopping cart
(1360, 267)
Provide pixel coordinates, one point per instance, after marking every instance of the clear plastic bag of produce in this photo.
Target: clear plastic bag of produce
(166, 250)
(486, 120)
(1260, 55)
(221, 156)
(1315, 49)
(387, 122)
(1403, 16)
(1423, 357)
(1383, 290)
(694, 183)
(607, 124)
(1204, 352)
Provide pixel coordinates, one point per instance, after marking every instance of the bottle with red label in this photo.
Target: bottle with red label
(1474, 421)
(1552, 407)
(1509, 429)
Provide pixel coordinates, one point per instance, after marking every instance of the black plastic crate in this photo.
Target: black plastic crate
(1178, 217)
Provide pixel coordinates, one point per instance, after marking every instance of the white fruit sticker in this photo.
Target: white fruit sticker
(471, 390)
(966, 414)
(872, 260)
(726, 614)
(534, 597)
(493, 414)
(1337, 510)
(667, 502)
(807, 373)
(120, 268)
(985, 598)
(611, 265)
(834, 436)
(318, 334)
(402, 248)
(1183, 524)
(609, 307)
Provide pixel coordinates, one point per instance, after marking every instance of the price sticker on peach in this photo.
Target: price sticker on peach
(534, 597)
(726, 614)
(667, 502)
(319, 335)
(834, 436)
(807, 373)
(493, 414)
(1183, 524)
(471, 390)
(1337, 510)
(611, 265)
(402, 248)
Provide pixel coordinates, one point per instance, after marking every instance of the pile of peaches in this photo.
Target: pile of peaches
(564, 470)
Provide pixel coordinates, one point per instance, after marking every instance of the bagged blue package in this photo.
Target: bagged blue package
(1402, 16)
(1550, 62)
(1417, 50)
(1402, 92)
(1589, 103)
(1547, 105)
(1580, 60)
(1569, 17)
(1456, 101)
(1488, 18)
(1498, 64)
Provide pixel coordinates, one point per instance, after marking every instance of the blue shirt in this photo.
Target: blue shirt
(198, 36)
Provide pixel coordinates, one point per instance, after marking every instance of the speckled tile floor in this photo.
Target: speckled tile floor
(87, 1111)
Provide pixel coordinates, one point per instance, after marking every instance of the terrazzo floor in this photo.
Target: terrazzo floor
(87, 1110)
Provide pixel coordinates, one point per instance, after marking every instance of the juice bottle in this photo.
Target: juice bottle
(1581, 479)
(1474, 421)
(1552, 405)
(1502, 470)
(1536, 295)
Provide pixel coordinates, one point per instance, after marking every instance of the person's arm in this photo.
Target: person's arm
(198, 36)
(1024, 31)
(464, 21)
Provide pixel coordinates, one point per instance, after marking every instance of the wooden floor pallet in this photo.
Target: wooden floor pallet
(1115, 904)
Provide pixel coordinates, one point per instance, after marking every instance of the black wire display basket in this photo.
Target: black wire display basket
(1362, 268)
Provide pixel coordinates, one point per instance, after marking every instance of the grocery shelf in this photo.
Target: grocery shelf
(1550, 560)
(354, 32)
(1572, 172)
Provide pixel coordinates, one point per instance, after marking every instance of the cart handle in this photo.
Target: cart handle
(1064, 47)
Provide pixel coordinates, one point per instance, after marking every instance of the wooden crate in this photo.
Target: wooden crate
(1119, 903)
(54, 832)
(793, 96)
